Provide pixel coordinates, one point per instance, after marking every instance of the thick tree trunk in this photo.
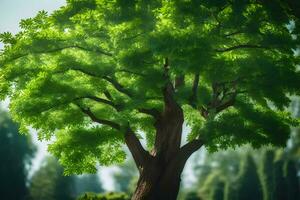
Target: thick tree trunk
(160, 180)
(160, 170)
(157, 182)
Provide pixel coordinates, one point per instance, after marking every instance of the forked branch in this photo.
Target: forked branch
(188, 149)
(139, 154)
(94, 118)
(185, 152)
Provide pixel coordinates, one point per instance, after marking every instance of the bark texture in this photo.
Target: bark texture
(160, 170)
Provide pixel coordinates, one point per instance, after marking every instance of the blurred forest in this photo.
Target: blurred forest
(249, 174)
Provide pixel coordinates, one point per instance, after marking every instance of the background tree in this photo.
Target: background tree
(213, 186)
(277, 175)
(16, 152)
(226, 162)
(230, 174)
(249, 186)
(95, 73)
(292, 180)
(48, 183)
(266, 169)
(126, 178)
(192, 195)
(87, 183)
(279, 182)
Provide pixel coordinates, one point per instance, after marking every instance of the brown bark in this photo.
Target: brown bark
(140, 155)
(160, 175)
(156, 184)
(160, 181)
(160, 171)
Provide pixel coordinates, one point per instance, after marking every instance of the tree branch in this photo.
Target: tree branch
(168, 89)
(130, 72)
(60, 49)
(108, 95)
(93, 117)
(233, 33)
(101, 100)
(193, 97)
(98, 99)
(185, 152)
(242, 46)
(151, 111)
(118, 86)
(188, 149)
(80, 70)
(225, 105)
(112, 81)
(140, 155)
(179, 81)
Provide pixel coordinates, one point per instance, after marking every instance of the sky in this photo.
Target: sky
(11, 13)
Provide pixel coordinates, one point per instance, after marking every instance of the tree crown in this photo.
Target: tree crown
(95, 68)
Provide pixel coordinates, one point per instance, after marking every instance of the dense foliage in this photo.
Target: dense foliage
(16, 152)
(95, 67)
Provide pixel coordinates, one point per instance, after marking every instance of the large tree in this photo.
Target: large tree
(16, 152)
(97, 73)
(267, 174)
(48, 183)
(248, 183)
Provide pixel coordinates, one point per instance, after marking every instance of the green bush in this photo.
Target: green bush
(107, 196)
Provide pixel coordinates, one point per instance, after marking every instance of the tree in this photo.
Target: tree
(125, 179)
(192, 195)
(292, 181)
(96, 73)
(213, 187)
(48, 183)
(16, 152)
(279, 181)
(217, 172)
(218, 191)
(249, 186)
(267, 174)
(88, 183)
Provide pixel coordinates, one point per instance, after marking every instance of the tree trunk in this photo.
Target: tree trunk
(157, 182)
(160, 180)
(160, 170)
